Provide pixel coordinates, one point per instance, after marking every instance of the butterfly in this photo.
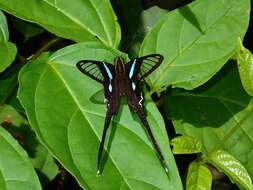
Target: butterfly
(120, 80)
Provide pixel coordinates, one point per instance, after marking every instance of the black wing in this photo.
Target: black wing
(143, 66)
(96, 70)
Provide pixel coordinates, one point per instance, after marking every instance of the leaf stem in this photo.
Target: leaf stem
(45, 47)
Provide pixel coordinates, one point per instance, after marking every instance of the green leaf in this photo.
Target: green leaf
(16, 169)
(56, 97)
(78, 21)
(245, 65)
(185, 145)
(232, 168)
(219, 114)
(8, 50)
(198, 177)
(196, 41)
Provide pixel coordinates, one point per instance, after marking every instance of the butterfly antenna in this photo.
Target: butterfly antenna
(101, 146)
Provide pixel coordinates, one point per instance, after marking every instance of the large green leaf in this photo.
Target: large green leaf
(15, 167)
(196, 41)
(8, 50)
(56, 97)
(79, 20)
(219, 114)
(198, 177)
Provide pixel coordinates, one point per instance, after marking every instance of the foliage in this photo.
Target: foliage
(198, 87)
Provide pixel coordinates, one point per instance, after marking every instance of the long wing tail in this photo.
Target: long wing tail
(154, 142)
(101, 146)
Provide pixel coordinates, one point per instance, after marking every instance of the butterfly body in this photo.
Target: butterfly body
(121, 80)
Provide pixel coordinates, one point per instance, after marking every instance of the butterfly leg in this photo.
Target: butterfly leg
(142, 116)
(101, 146)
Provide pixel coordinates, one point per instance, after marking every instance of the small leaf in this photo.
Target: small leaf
(8, 50)
(185, 145)
(196, 41)
(78, 21)
(198, 177)
(15, 166)
(245, 65)
(228, 164)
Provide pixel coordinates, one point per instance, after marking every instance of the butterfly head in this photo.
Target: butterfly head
(119, 65)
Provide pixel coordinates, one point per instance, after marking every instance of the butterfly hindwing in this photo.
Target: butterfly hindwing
(97, 70)
(141, 67)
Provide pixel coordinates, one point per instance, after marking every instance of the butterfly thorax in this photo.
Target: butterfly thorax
(121, 76)
(119, 66)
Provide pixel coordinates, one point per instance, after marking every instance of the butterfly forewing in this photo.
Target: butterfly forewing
(94, 69)
(143, 66)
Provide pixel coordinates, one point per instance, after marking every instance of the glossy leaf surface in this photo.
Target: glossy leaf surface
(232, 168)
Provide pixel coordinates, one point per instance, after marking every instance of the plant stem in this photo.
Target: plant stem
(45, 47)
(23, 61)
